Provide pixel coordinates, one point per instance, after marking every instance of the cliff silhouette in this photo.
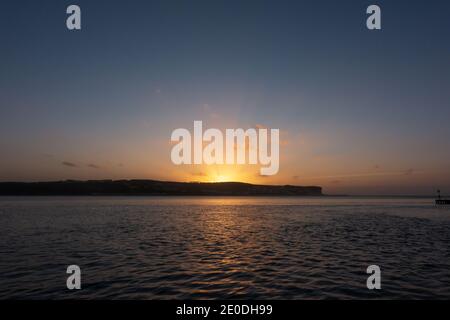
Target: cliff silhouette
(153, 187)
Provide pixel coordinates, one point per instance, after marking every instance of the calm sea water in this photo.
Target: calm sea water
(210, 248)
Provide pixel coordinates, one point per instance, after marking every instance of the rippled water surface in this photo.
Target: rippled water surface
(210, 248)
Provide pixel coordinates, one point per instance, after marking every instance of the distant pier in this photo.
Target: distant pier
(441, 202)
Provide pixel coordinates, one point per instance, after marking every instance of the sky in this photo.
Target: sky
(359, 111)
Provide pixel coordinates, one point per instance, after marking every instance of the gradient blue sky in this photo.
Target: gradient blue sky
(360, 111)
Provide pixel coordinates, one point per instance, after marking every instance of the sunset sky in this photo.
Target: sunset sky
(359, 111)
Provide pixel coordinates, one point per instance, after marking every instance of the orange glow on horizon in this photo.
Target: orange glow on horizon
(218, 173)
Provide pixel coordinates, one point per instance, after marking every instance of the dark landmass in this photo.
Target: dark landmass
(152, 187)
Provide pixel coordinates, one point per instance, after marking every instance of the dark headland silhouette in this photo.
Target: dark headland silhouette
(153, 187)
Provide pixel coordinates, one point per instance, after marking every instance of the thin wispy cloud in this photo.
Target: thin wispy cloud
(69, 164)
